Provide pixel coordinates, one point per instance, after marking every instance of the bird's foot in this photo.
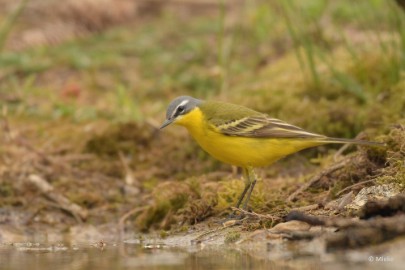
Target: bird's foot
(232, 219)
(236, 216)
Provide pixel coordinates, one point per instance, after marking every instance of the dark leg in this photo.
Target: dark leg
(252, 186)
(247, 186)
(241, 196)
(250, 181)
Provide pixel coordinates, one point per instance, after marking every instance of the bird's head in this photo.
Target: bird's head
(178, 108)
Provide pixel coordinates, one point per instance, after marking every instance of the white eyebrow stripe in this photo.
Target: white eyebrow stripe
(184, 102)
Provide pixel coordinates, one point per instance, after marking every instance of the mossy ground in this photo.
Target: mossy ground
(84, 113)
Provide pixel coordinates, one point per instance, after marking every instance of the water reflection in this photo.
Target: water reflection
(136, 255)
(125, 256)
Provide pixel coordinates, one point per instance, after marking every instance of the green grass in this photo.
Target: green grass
(344, 58)
(7, 25)
(160, 58)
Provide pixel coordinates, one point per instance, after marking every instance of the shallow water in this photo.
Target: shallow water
(136, 255)
(125, 256)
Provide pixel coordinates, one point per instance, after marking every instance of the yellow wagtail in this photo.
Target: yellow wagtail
(242, 137)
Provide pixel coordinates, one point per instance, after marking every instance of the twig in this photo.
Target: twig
(319, 177)
(45, 204)
(354, 233)
(307, 207)
(121, 222)
(316, 220)
(199, 238)
(338, 222)
(345, 146)
(354, 185)
(48, 191)
(340, 151)
(260, 216)
(129, 177)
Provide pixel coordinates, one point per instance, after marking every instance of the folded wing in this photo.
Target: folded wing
(262, 126)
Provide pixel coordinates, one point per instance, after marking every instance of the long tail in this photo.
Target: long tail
(353, 141)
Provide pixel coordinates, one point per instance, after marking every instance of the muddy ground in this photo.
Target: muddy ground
(82, 97)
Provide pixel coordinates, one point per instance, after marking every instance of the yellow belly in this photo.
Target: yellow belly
(240, 151)
(244, 152)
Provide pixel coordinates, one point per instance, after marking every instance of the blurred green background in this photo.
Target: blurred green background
(123, 60)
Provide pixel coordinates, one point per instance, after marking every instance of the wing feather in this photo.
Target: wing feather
(264, 127)
(235, 120)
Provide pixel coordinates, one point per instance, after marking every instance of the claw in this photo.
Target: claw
(231, 219)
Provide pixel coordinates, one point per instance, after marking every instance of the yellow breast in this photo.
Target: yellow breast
(239, 151)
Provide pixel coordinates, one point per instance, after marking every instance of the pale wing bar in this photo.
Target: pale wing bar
(264, 127)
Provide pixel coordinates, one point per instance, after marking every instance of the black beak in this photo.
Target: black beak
(166, 123)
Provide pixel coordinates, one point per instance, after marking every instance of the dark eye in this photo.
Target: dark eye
(180, 109)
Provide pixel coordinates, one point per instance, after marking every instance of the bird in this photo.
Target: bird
(243, 137)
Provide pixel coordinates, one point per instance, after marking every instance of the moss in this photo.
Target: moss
(376, 72)
(150, 184)
(338, 186)
(232, 237)
(398, 178)
(128, 138)
(228, 193)
(252, 226)
(184, 228)
(152, 216)
(163, 234)
(394, 170)
(6, 190)
(169, 197)
(86, 199)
